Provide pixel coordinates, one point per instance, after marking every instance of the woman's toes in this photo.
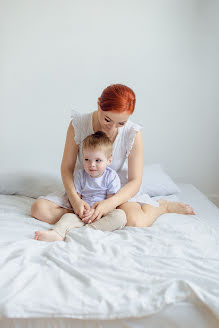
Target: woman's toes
(180, 208)
(189, 209)
(36, 235)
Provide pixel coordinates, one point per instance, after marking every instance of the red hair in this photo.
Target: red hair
(118, 98)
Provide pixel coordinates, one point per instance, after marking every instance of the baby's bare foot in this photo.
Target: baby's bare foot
(177, 207)
(48, 235)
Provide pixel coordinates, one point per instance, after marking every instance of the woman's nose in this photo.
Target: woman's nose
(113, 126)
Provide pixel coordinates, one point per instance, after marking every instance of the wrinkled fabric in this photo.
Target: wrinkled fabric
(105, 275)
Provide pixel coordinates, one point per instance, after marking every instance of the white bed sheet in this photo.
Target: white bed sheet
(202, 205)
(134, 277)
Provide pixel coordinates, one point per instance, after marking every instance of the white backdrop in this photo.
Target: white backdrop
(58, 55)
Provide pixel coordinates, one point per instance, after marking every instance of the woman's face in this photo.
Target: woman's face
(110, 121)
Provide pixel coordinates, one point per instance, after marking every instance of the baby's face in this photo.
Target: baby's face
(95, 162)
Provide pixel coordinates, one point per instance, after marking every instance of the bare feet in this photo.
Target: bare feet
(48, 235)
(177, 207)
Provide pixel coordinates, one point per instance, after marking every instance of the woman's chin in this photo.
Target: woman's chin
(110, 133)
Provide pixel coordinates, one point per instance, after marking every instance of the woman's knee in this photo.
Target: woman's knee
(41, 209)
(136, 217)
(133, 214)
(135, 220)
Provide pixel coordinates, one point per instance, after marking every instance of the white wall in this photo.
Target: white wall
(58, 55)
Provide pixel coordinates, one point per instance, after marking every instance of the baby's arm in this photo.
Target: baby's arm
(87, 213)
(81, 207)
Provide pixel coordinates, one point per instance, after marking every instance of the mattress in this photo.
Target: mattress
(165, 275)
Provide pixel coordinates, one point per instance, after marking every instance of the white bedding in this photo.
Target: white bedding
(135, 272)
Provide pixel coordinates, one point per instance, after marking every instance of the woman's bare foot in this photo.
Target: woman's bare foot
(48, 235)
(177, 207)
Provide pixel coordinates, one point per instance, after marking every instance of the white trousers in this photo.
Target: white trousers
(114, 220)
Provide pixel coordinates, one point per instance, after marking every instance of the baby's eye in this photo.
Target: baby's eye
(107, 120)
(121, 123)
(98, 160)
(86, 159)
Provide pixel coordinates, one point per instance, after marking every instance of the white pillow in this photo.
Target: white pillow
(155, 182)
(29, 183)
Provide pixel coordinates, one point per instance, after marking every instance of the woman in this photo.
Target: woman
(115, 106)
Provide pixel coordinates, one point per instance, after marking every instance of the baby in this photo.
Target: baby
(95, 182)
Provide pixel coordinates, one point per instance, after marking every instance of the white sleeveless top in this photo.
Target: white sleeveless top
(83, 126)
(122, 145)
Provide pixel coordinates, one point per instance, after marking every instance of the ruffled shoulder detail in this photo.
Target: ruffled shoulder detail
(132, 128)
(76, 122)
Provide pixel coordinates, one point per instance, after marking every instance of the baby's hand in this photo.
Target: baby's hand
(80, 207)
(86, 215)
(101, 209)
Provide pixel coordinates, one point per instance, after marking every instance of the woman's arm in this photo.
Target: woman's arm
(135, 168)
(67, 169)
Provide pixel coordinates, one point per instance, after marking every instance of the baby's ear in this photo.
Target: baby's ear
(110, 160)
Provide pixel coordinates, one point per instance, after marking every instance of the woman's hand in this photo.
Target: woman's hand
(100, 209)
(80, 207)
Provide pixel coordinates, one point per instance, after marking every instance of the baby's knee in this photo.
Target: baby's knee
(71, 219)
(120, 217)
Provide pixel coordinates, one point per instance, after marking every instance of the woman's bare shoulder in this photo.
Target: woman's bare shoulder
(71, 128)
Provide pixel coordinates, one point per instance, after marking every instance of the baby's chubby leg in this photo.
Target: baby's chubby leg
(67, 222)
(114, 220)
